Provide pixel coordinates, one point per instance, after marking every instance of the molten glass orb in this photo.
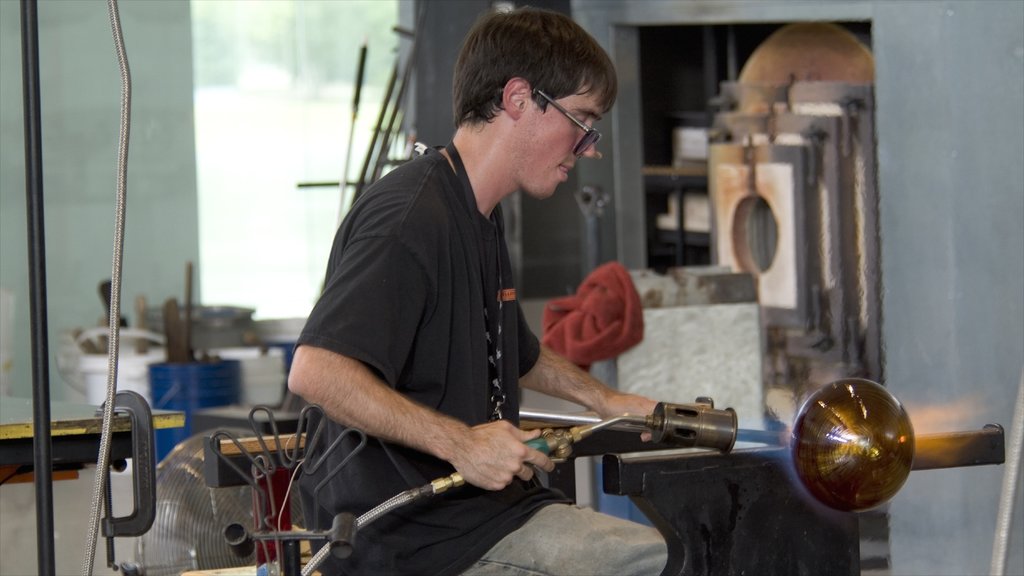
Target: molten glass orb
(852, 444)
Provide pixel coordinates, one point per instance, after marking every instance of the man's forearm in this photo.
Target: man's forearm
(351, 394)
(555, 376)
(487, 455)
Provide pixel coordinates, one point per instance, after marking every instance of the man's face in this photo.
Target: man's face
(545, 151)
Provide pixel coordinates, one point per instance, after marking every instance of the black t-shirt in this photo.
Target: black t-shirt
(405, 295)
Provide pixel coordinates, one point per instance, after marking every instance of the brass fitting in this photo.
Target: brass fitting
(559, 441)
(448, 482)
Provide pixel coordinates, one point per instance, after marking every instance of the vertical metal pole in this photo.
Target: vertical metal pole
(366, 176)
(592, 201)
(730, 53)
(710, 76)
(41, 444)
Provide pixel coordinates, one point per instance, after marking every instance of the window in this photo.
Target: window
(274, 86)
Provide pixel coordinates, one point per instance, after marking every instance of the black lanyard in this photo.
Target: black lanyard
(495, 336)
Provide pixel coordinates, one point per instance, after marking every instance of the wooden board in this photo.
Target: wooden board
(68, 419)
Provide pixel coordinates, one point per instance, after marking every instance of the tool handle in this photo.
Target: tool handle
(540, 444)
(442, 484)
(359, 79)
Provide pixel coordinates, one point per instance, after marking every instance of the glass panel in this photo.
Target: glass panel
(274, 87)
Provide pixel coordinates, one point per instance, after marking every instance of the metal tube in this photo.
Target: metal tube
(41, 440)
(557, 418)
(618, 422)
(694, 425)
(957, 449)
(768, 437)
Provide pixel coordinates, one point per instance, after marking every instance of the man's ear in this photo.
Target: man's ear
(516, 97)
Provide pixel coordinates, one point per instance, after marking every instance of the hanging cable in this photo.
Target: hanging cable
(397, 501)
(1011, 484)
(103, 460)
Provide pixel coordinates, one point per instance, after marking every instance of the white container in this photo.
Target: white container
(263, 375)
(689, 144)
(90, 375)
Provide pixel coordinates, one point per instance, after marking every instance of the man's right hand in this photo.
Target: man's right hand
(491, 455)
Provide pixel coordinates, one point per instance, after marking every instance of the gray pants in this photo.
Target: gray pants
(564, 540)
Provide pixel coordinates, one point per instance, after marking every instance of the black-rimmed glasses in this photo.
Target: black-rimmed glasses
(590, 135)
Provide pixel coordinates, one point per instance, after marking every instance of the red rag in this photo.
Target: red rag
(603, 319)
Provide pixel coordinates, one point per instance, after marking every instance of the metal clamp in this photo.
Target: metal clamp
(143, 486)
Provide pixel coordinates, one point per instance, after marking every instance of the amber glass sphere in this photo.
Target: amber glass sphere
(852, 444)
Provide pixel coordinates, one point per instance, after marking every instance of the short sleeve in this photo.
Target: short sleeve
(372, 303)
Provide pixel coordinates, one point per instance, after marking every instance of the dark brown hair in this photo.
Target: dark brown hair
(545, 48)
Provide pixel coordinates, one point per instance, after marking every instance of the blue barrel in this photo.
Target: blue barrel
(188, 387)
(288, 348)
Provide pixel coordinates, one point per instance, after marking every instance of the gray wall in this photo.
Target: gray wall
(951, 143)
(950, 116)
(80, 93)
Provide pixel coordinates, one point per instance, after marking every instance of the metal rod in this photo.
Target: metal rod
(710, 76)
(624, 422)
(41, 440)
(730, 53)
(410, 62)
(345, 196)
(364, 174)
(558, 418)
(956, 449)
(769, 437)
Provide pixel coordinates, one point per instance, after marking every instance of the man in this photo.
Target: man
(418, 340)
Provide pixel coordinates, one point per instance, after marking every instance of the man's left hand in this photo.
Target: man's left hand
(620, 403)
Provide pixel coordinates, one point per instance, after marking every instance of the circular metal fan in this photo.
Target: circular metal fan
(187, 533)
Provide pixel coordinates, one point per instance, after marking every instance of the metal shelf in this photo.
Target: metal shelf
(677, 247)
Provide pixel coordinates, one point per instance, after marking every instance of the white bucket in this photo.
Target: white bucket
(263, 375)
(132, 368)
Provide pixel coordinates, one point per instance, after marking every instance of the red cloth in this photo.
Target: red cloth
(603, 319)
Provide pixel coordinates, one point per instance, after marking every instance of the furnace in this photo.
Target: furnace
(792, 185)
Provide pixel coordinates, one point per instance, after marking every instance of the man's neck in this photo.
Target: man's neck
(486, 165)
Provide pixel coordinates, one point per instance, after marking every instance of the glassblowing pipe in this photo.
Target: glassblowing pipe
(852, 443)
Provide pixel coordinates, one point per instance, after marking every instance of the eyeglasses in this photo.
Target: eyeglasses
(590, 135)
